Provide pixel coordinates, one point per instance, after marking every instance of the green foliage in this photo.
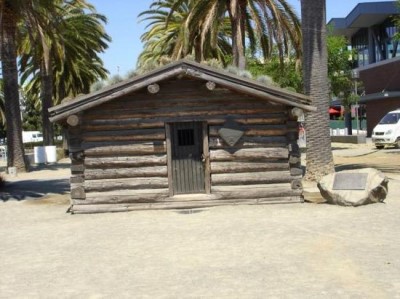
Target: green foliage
(397, 22)
(206, 29)
(31, 115)
(286, 76)
(340, 68)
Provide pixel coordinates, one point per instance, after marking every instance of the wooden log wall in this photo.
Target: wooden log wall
(123, 155)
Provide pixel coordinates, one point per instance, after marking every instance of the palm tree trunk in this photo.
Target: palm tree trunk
(47, 100)
(315, 74)
(236, 10)
(16, 153)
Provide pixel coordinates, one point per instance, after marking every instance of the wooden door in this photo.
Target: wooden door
(186, 157)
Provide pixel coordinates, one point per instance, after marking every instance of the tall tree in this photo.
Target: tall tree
(265, 24)
(11, 13)
(315, 75)
(63, 60)
(340, 74)
(166, 35)
(262, 24)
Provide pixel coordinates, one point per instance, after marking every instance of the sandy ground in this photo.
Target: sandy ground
(270, 251)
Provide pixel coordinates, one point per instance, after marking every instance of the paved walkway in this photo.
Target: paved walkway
(270, 251)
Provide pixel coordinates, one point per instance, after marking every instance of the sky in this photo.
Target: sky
(125, 29)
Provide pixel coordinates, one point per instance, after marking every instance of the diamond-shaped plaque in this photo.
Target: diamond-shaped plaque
(350, 181)
(231, 132)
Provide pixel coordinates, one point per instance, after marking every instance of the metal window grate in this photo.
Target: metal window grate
(185, 137)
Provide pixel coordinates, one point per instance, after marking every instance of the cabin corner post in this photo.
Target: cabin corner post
(206, 159)
(77, 157)
(294, 150)
(169, 158)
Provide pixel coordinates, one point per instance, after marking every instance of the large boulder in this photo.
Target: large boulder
(354, 187)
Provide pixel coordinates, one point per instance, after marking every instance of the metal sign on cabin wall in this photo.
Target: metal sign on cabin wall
(231, 132)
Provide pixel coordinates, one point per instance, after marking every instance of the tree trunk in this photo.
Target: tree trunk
(347, 120)
(47, 100)
(315, 74)
(16, 153)
(237, 11)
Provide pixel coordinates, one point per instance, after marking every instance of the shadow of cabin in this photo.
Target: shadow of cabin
(183, 136)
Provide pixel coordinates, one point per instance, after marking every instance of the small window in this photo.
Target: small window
(185, 137)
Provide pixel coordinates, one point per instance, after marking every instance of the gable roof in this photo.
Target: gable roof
(187, 68)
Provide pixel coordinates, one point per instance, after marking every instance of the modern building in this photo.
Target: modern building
(370, 29)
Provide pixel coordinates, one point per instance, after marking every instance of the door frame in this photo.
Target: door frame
(206, 157)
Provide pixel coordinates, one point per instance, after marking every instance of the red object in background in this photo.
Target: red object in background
(333, 111)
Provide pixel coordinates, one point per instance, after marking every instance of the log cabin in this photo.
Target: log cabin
(183, 136)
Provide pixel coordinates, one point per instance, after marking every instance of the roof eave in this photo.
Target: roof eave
(189, 68)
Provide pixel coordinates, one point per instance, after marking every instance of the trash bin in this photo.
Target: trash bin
(39, 154)
(51, 154)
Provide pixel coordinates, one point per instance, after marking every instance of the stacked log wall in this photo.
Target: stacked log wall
(125, 155)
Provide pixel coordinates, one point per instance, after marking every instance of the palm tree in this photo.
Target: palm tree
(67, 63)
(11, 13)
(268, 23)
(166, 36)
(315, 74)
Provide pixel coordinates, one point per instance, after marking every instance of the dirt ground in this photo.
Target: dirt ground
(268, 251)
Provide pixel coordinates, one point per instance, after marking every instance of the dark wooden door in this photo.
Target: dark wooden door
(187, 151)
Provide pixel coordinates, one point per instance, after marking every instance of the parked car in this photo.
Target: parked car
(387, 131)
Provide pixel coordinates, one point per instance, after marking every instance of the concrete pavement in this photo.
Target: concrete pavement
(271, 251)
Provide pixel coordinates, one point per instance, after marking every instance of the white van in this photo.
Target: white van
(32, 136)
(387, 131)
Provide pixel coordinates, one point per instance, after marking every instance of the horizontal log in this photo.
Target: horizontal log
(297, 184)
(294, 171)
(249, 154)
(125, 135)
(192, 99)
(251, 178)
(80, 208)
(125, 124)
(255, 130)
(98, 174)
(77, 169)
(183, 111)
(76, 179)
(249, 142)
(77, 156)
(152, 123)
(126, 184)
(294, 160)
(77, 192)
(73, 120)
(124, 196)
(236, 167)
(255, 191)
(117, 161)
(123, 148)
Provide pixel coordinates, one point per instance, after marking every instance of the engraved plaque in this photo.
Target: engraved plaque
(350, 181)
(231, 132)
